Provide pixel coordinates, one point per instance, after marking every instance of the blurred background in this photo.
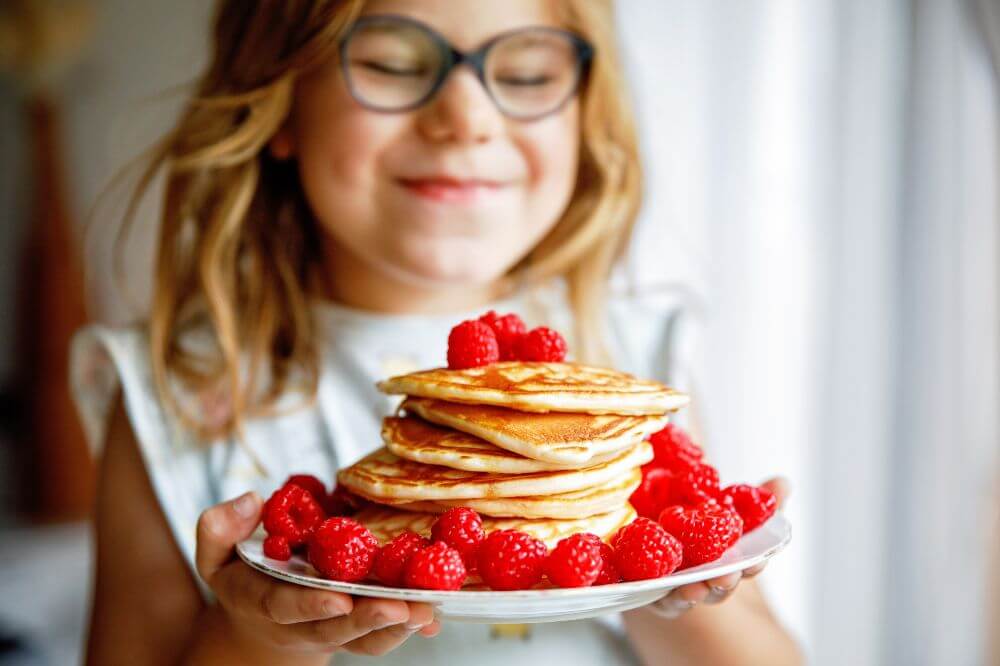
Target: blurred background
(823, 174)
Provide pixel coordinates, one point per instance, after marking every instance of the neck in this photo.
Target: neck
(349, 280)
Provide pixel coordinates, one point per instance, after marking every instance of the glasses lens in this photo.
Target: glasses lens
(391, 65)
(533, 72)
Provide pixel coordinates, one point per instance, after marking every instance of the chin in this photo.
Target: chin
(449, 269)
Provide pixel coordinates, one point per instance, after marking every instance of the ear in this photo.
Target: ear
(282, 144)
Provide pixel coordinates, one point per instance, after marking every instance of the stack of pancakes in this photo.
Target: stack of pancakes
(547, 448)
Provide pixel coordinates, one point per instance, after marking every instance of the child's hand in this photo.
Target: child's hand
(715, 590)
(266, 613)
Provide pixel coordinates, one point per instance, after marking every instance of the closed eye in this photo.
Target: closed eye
(529, 81)
(391, 70)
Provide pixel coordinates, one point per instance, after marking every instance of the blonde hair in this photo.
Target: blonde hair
(236, 244)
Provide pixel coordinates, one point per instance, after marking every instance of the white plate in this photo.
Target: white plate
(542, 605)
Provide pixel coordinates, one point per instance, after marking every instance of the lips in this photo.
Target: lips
(447, 189)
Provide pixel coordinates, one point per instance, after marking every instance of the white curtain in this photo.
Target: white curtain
(824, 173)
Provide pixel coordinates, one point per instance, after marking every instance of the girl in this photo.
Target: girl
(344, 187)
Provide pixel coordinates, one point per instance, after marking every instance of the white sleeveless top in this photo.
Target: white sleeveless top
(651, 336)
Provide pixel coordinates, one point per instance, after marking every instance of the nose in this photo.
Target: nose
(461, 111)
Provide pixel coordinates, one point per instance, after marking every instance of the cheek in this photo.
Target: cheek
(551, 150)
(336, 143)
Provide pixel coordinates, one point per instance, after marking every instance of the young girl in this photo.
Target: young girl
(342, 190)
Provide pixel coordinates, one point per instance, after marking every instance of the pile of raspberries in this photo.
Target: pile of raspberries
(685, 519)
(493, 338)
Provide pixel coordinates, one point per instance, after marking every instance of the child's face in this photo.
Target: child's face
(369, 176)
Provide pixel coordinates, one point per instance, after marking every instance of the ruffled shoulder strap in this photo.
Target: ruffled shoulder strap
(105, 361)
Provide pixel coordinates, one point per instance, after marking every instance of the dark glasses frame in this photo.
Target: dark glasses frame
(452, 58)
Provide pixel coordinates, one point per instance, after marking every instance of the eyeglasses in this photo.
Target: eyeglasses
(394, 63)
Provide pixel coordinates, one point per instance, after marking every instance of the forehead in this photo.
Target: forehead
(469, 23)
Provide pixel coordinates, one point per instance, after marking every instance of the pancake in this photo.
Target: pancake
(563, 438)
(382, 475)
(541, 387)
(386, 522)
(414, 439)
(577, 504)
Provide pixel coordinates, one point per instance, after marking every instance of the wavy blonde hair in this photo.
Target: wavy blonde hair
(236, 245)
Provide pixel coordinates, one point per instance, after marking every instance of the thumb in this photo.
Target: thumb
(221, 527)
(780, 487)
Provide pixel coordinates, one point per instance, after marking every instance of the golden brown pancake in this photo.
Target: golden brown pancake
(563, 438)
(386, 522)
(384, 476)
(414, 439)
(541, 387)
(576, 504)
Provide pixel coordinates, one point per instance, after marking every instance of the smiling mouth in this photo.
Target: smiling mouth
(448, 190)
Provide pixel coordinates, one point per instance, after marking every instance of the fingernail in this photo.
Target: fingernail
(334, 609)
(245, 505)
(415, 627)
(381, 621)
(684, 604)
(719, 590)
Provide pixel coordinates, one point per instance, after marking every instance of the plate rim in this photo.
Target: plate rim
(696, 574)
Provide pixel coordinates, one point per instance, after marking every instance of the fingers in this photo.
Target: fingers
(376, 626)
(421, 615)
(319, 617)
(431, 630)
(369, 615)
(248, 592)
(378, 643)
(720, 588)
(780, 487)
(686, 597)
(220, 528)
(675, 603)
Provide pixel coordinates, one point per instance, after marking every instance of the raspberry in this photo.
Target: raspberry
(541, 344)
(392, 557)
(472, 344)
(462, 529)
(293, 513)
(609, 573)
(653, 494)
(575, 561)
(754, 504)
(511, 560)
(694, 485)
(673, 448)
(310, 483)
(438, 567)
(342, 502)
(706, 530)
(276, 547)
(342, 549)
(509, 329)
(643, 549)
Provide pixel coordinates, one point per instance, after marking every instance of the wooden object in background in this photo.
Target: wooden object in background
(52, 307)
(40, 43)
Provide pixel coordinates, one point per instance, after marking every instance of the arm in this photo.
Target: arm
(148, 609)
(740, 631)
(145, 601)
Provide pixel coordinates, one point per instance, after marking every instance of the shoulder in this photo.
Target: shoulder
(112, 383)
(103, 361)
